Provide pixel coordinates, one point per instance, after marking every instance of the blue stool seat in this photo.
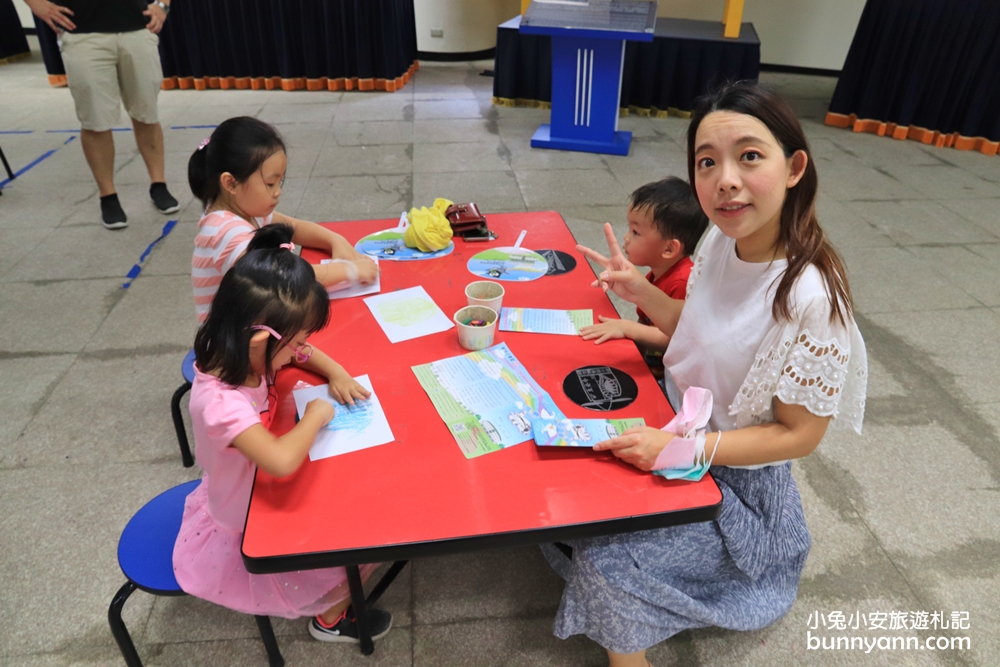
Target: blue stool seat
(187, 370)
(187, 366)
(145, 555)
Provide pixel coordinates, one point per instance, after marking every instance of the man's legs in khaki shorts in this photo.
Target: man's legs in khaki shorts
(104, 70)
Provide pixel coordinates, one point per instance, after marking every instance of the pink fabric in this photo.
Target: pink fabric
(222, 239)
(207, 559)
(696, 410)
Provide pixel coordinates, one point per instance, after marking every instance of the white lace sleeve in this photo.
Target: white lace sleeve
(699, 260)
(812, 362)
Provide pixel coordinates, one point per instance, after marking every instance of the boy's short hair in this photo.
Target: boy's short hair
(674, 209)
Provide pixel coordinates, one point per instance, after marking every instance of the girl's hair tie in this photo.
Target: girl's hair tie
(290, 247)
(204, 142)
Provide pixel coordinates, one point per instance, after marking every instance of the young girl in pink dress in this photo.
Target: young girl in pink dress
(266, 307)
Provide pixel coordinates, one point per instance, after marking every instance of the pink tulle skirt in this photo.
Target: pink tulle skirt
(208, 564)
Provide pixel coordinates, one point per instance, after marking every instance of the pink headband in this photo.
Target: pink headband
(288, 246)
(204, 142)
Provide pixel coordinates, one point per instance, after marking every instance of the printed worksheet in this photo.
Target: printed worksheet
(408, 313)
(487, 399)
(355, 290)
(579, 432)
(543, 320)
(352, 428)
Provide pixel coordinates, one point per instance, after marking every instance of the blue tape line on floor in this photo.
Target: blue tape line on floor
(69, 140)
(16, 131)
(136, 268)
(24, 169)
(193, 127)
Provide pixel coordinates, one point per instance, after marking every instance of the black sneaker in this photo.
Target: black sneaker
(162, 199)
(112, 214)
(346, 630)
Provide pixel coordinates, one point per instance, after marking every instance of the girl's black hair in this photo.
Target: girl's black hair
(270, 286)
(238, 146)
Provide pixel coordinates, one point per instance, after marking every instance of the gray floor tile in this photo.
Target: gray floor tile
(375, 106)
(431, 109)
(28, 381)
(553, 189)
(56, 316)
(366, 133)
(489, 642)
(980, 212)
(965, 342)
(171, 256)
(892, 279)
(355, 197)
(18, 242)
(966, 267)
(61, 528)
(364, 160)
(127, 420)
(448, 131)
(919, 222)
(157, 312)
(480, 156)
(503, 583)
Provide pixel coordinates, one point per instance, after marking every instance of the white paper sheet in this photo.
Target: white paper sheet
(356, 290)
(352, 428)
(408, 313)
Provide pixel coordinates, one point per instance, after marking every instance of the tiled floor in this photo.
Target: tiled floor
(906, 518)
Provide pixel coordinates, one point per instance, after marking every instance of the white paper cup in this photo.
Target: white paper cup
(476, 337)
(485, 293)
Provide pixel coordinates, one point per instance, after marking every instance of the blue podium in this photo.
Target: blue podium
(588, 50)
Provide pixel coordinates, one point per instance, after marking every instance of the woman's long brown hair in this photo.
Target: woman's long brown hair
(800, 233)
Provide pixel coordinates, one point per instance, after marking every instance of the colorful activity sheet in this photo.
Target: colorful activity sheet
(357, 289)
(487, 399)
(352, 428)
(408, 313)
(514, 263)
(579, 432)
(543, 320)
(389, 245)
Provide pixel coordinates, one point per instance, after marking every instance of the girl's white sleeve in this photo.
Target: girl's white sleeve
(812, 362)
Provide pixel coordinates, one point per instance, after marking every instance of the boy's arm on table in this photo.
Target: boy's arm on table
(795, 433)
(282, 455)
(609, 328)
(311, 235)
(343, 387)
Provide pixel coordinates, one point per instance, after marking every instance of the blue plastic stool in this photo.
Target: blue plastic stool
(187, 370)
(145, 555)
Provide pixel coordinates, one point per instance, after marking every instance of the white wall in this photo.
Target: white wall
(799, 33)
(468, 25)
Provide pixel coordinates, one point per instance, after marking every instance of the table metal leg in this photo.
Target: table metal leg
(360, 609)
(385, 581)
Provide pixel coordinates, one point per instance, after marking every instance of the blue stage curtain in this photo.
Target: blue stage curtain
(684, 60)
(924, 69)
(13, 43)
(292, 44)
(287, 44)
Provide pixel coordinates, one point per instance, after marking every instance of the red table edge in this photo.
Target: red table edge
(466, 544)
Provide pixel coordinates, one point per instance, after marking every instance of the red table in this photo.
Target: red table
(419, 496)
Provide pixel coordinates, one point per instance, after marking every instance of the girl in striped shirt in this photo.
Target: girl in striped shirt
(237, 174)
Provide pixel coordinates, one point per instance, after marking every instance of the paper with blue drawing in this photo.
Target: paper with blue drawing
(352, 428)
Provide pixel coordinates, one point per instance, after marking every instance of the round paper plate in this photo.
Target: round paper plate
(600, 388)
(388, 245)
(559, 261)
(516, 264)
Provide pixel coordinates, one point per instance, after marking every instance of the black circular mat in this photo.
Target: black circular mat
(559, 261)
(600, 388)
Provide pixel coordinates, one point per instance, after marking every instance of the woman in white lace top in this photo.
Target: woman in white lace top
(767, 327)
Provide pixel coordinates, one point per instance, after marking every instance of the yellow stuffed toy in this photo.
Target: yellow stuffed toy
(428, 229)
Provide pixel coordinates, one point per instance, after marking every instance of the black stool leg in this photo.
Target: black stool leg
(6, 165)
(118, 628)
(360, 609)
(274, 657)
(175, 412)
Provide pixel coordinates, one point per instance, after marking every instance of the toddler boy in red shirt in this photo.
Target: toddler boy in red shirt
(665, 223)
